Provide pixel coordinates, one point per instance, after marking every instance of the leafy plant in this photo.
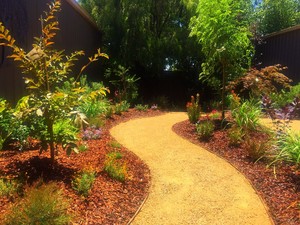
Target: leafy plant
(114, 144)
(83, 147)
(83, 182)
(125, 84)
(47, 69)
(289, 148)
(284, 97)
(214, 115)
(247, 115)
(205, 129)
(193, 109)
(121, 107)
(42, 205)
(281, 116)
(234, 100)
(115, 169)
(235, 135)
(261, 82)
(256, 149)
(8, 187)
(141, 107)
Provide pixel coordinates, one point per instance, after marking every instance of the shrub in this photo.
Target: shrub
(235, 135)
(247, 115)
(215, 115)
(92, 108)
(289, 148)
(42, 205)
(114, 144)
(256, 148)
(141, 107)
(83, 182)
(125, 84)
(8, 187)
(193, 109)
(121, 107)
(205, 129)
(114, 168)
(264, 81)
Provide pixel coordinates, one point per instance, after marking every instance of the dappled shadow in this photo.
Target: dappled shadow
(36, 168)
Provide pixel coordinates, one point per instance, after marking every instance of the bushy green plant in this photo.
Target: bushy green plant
(114, 167)
(234, 100)
(125, 84)
(235, 135)
(109, 112)
(246, 116)
(114, 144)
(45, 70)
(289, 148)
(141, 107)
(92, 108)
(83, 182)
(205, 129)
(8, 187)
(121, 107)
(284, 97)
(6, 121)
(193, 109)
(83, 147)
(256, 149)
(43, 205)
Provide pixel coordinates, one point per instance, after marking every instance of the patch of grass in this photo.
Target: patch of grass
(43, 205)
(114, 168)
(114, 144)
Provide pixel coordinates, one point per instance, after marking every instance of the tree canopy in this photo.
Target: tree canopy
(223, 30)
(275, 15)
(150, 34)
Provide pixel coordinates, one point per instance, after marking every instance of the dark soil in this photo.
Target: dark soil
(279, 188)
(109, 202)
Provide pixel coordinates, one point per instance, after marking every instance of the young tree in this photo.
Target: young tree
(45, 70)
(275, 15)
(222, 29)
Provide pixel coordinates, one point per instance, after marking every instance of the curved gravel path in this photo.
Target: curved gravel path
(189, 184)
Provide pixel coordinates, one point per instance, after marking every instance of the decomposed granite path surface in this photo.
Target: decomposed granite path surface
(189, 184)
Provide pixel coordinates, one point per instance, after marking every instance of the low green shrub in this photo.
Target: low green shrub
(43, 205)
(289, 148)
(247, 115)
(205, 129)
(114, 144)
(141, 107)
(114, 168)
(8, 187)
(257, 149)
(83, 182)
(235, 135)
(121, 107)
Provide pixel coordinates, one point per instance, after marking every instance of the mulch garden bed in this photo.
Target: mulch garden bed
(110, 201)
(280, 189)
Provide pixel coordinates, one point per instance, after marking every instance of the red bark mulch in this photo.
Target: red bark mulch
(109, 202)
(279, 190)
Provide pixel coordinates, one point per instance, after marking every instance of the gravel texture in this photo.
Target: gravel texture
(189, 184)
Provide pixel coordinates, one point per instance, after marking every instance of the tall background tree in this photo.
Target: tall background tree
(275, 15)
(222, 27)
(149, 36)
